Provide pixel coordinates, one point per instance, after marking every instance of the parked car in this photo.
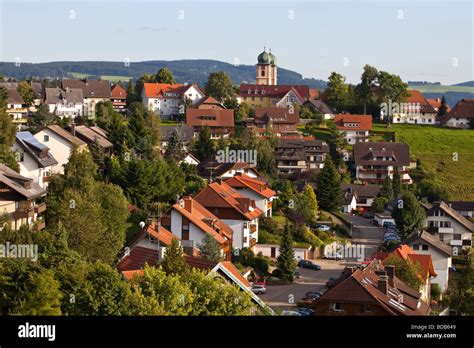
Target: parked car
(368, 216)
(324, 228)
(315, 293)
(296, 275)
(388, 223)
(291, 313)
(309, 264)
(311, 297)
(259, 289)
(305, 312)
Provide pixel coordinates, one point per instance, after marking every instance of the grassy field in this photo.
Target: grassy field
(442, 89)
(110, 78)
(449, 153)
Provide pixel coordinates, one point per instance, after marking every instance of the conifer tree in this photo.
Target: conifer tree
(328, 186)
(286, 258)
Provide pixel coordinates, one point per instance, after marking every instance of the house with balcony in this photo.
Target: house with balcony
(374, 290)
(167, 100)
(425, 243)
(17, 108)
(277, 121)
(21, 200)
(63, 103)
(297, 155)
(449, 226)
(34, 158)
(219, 121)
(375, 161)
(118, 96)
(465, 208)
(60, 143)
(191, 222)
(235, 210)
(281, 96)
(255, 189)
(355, 128)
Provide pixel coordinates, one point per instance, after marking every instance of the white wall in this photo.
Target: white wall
(441, 264)
(58, 147)
(266, 249)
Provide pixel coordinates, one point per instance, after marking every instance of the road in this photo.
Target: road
(281, 296)
(365, 233)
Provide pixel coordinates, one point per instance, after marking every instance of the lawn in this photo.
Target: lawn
(110, 78)
(449, 153)
(442, 89)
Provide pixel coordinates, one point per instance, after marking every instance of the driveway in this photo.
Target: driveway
(364, 232)
(281, 296)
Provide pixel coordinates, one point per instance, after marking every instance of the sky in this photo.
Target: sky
(416, 39)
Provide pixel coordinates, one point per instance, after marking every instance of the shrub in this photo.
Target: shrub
(435, 292)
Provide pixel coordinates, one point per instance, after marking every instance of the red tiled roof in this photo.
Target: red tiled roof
(221, 195)
(196, 262)
(364, 122)
(201, 117)
(436, 103)
(464, 108)
(118, 92)
(416, 97)
(138, 257)
(202, 218)
(157, 90)
(208, 101)
(426, 263)
(258, 186)
(230, 267)
(276, 115)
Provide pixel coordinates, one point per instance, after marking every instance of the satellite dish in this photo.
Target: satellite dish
(142, 224)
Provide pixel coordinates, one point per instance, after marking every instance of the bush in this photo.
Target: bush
(435, 292)
(268, 224)
(277, 273)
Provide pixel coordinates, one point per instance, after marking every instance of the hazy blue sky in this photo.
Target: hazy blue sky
(419, 40)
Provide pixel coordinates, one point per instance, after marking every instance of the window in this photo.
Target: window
(336, 307)
(424, 247)
(46, 138)
(263, 73)
(416, 246)
(185, 235)
(365, 308)
(457, 236)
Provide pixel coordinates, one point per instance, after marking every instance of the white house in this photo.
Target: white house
(255, 189)
(416, 110)
(17, 108)
(355, 127)
(67, 102)
(167, 100)
(235, 210)
(93, 91)
(60, 143)
(449, 226)
(461, 115)
(425, 243)
(359, 196)
(191, 222)
(272, 251)
(34, 158)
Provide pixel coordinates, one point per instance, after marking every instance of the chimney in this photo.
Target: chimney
(188, 204)
(73, 129)
(390, 273)
(382, 284)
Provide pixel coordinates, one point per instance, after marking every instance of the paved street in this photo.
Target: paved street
(279, 296)
(364, 232)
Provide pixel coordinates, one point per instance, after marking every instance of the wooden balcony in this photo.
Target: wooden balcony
(23, 214)
(253, 228)
(252, 242)
(40, 208)
(39, 225)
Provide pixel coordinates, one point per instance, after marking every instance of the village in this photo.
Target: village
(274, 190)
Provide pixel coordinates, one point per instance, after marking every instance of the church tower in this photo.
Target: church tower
(266, 68)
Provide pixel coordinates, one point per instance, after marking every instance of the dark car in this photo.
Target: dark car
(311, 298)
(306, 312)
(315, 293)
(368, 216)
(309, 264)
(388, 223)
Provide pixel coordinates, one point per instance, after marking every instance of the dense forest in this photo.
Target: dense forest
(184, 71)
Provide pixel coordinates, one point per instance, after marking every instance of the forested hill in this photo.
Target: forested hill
(183, 70)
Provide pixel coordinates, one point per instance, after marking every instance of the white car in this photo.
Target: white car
(258, 289)
(288, 313)
(324, 228)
